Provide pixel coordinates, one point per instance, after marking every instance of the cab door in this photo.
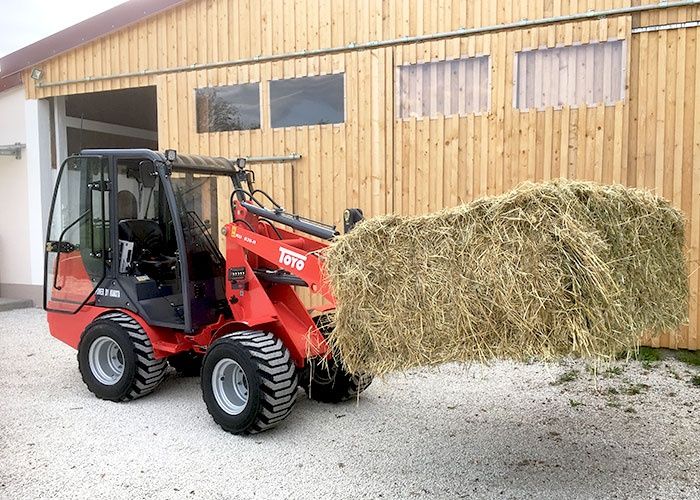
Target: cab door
(77, 239)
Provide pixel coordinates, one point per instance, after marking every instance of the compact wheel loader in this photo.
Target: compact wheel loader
(136, 281)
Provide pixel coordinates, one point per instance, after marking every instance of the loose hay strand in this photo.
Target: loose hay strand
(545, 270)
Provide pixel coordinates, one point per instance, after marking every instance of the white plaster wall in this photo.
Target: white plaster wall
(15, 264)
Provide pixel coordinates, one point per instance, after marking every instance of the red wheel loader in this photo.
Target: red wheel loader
(135, 281)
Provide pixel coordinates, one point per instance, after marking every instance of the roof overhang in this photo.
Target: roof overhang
(86, 31)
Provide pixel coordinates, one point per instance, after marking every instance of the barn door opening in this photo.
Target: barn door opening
(113, 119)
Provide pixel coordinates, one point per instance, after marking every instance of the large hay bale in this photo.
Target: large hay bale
(546, 270)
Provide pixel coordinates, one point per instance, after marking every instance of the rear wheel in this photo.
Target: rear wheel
(116, 359)
(327, 381)
(249, 382)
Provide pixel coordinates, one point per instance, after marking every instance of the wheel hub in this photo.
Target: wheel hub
(230, 386)
(106, 360)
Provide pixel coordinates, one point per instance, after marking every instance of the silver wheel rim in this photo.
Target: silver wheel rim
(106, 360)
(230, 386)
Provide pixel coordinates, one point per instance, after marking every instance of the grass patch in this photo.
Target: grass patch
(568, 376)
(695, 380)
(574, 403)
(648, 355)
(613, 371)
(689, 357)
(673, 372)
(635, 389)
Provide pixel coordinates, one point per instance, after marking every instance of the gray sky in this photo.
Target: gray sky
(25, 21)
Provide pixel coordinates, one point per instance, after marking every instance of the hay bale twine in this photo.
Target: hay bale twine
(545, 270)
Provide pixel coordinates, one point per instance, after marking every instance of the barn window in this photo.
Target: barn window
(310, 100)
(232, 107)
(577, 75)
(457, 87)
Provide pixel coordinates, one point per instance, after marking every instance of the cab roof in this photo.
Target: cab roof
(195, 164)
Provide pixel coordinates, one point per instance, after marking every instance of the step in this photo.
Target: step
(10, 304)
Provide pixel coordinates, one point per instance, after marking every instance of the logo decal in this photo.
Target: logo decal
(292, 259)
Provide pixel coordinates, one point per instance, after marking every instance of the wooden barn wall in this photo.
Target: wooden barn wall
(382, 163)
(663, 152)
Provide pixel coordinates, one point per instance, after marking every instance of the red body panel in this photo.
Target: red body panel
(72, 282)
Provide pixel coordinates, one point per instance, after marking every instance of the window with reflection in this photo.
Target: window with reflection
(310, 100)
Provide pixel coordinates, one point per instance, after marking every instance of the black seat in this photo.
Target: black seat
(146, 235)
(147, 255)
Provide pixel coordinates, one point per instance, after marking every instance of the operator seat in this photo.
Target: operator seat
(148, 240)
(144, 233)
(147, 237)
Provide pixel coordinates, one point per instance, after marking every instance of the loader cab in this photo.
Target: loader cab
(126, 231)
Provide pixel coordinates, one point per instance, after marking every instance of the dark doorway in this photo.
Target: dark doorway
(112, 119)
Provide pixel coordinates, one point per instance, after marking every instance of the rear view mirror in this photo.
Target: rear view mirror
(147, 174)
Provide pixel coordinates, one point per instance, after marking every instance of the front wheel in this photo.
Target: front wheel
(249, 382)
(327, 381)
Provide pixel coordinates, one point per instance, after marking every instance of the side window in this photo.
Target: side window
(310, 100)
(578, 75)
(198, 200)
(443, 88)
(231, 107)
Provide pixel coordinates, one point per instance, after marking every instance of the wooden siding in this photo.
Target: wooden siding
(382, 162)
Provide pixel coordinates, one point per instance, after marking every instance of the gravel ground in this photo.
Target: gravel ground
(502, 431)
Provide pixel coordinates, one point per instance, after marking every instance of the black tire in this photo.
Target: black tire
(327, 381)
(186, 364)
(270, 374)
(142, 372)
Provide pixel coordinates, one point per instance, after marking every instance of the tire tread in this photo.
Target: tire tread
(150, 371)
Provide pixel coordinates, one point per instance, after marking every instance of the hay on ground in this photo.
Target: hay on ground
(546, 270)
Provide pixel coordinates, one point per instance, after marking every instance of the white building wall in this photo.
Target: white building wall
(15, 260)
